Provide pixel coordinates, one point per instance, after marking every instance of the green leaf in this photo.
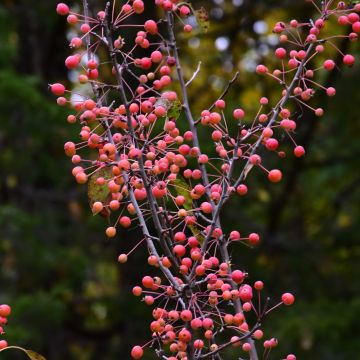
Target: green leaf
(202, 18)
(31, 354)
(173, 108)
(98, 192)
(182, 188)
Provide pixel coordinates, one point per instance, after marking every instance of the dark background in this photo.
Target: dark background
(70, 298)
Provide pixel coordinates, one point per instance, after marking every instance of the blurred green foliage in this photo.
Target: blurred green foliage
(70, 298)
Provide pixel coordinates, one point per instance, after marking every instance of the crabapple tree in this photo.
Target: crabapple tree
(140, 155)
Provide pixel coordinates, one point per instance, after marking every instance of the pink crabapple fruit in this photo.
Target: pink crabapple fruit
(158, 179)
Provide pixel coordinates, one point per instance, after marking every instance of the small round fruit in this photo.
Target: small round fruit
(349, 60)
(62, 9)
(110, 231)
(275, 175)
(122, 259)
(5, 310)
(97, 207)
(299, 151)
(137, 352)
(288, 299)
(57, 89)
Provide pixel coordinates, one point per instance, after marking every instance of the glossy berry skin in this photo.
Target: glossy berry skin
(72, 62)
(5, 310)
(62, 9)
(356, 27)
(288, 299)
(261, 69)
(259, 285)
(254, 238)
(349, 60)
(238, 276)
(122, 258)
(299, 151)
(137, 352)
(57, 89)
(125, 221)
(110, 232)
(329, 65)
(242, 189)
(330, 91)
(151, 27)
(238, 114)
(272, 144)
(280, 53)
(275, 176)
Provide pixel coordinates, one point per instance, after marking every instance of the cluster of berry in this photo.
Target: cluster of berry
(5, 311)
(145, 167)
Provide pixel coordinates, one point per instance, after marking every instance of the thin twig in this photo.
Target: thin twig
(223, 94)
(194, 74)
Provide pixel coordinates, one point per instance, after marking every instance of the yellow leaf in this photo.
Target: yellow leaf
(247, 169)
(98, 192)
(31, 354)
(202, 18)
